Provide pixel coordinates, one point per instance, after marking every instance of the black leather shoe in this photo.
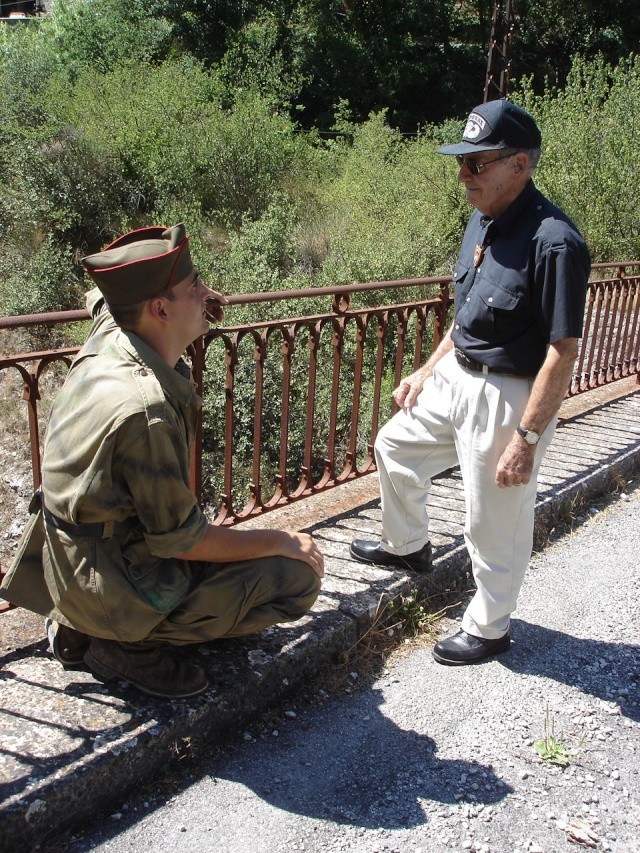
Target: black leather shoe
(371, 552)
(464, 648)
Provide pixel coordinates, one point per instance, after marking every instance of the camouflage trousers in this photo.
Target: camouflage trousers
(236, 599)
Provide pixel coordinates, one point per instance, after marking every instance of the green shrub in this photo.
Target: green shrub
(250, 153)
(175, 142)
(394, 211)
(63, 188)
(46, 281)
(28, 61)
(253, 62)
(102, 34)
(155, 134)
(260, 252)
(591, 139)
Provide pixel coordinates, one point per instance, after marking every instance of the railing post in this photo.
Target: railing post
(195, 467)
(441, 311)
(4, 605)
(31, 395)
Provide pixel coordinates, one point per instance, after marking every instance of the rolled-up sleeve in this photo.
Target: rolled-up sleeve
(155, 467)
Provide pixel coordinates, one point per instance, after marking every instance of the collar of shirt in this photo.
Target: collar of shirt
(174, 380)
(506, 221)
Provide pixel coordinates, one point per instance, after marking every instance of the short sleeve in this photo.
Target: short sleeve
(562, 274)
(154, 464)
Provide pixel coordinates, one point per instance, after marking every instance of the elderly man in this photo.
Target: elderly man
(117, 553)
(487, 397)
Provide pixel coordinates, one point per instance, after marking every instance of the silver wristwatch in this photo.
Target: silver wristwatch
(529, 435)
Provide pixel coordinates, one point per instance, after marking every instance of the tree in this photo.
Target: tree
(102, 33)
(550, 33)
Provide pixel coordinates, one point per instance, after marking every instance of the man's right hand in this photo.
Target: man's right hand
(407, 391)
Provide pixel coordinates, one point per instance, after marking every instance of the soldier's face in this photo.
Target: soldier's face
(193, 305)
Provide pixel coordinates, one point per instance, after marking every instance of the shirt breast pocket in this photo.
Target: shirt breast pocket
(498, 299)
(461, 275)
(505, 306)
(503, 288)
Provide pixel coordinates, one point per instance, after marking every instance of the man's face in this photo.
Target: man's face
(192, 305)
(497, 183)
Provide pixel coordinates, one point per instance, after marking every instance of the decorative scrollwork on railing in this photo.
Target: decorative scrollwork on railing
(291, 406)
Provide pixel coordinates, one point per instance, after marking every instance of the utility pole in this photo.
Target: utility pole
(499, 56)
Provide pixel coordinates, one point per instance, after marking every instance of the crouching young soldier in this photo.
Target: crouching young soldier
(117, 553)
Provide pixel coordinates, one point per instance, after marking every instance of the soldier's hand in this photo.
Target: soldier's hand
(301, 546)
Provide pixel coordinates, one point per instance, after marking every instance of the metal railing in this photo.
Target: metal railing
(610, 346)
(297, 401)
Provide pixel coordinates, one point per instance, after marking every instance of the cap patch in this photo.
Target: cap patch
(475, 125)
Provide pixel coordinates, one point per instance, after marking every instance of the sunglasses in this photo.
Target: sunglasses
(474, 167)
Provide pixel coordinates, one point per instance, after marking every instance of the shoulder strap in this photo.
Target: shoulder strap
(152, 395)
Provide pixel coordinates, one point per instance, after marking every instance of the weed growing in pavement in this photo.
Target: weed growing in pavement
(410, 615)
(550, 748)
(618, 483)
(183, 748)
(407, 616)
(397, 625)
(572, 511)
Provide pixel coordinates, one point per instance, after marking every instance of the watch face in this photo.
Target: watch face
(529, 435)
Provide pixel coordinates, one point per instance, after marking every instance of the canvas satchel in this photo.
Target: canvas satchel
(24, 584)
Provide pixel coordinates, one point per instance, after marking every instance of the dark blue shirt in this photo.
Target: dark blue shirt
(527, 288)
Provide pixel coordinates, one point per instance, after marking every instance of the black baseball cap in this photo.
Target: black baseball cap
(495, 125)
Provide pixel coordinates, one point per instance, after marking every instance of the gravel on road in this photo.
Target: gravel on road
(433, 759)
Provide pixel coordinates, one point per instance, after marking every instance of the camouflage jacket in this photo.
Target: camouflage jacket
(116, 454)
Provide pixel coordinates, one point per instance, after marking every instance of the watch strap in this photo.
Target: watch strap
(527, 433)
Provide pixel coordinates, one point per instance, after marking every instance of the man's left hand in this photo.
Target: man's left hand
(515, 464)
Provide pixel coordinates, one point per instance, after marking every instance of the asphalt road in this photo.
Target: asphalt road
(439, 759)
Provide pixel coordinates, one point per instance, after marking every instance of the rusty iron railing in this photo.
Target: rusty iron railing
(298, 401)
(330, 369)
(610, 346)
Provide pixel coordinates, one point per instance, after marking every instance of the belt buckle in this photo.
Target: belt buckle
(471, 364)
(462, 359)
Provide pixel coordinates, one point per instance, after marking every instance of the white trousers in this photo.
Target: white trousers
(466, 418)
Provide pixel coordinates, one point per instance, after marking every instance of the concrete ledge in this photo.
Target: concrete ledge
(69, 745)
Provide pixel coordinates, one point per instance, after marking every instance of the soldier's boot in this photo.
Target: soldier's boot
(67, 645)
(149, 665)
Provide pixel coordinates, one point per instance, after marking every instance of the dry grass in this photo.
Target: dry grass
(398, 625)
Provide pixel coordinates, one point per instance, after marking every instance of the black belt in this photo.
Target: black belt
(469, 364)
(477, 366)
(102, 530)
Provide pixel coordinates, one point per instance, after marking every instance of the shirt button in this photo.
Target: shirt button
(490, 299)
(468, 299)
(142, 371)
(457, 326)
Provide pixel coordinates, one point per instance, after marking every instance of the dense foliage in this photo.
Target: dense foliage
(297, 139)
(115, 114)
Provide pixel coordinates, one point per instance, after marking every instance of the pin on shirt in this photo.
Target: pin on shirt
(478, 255)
